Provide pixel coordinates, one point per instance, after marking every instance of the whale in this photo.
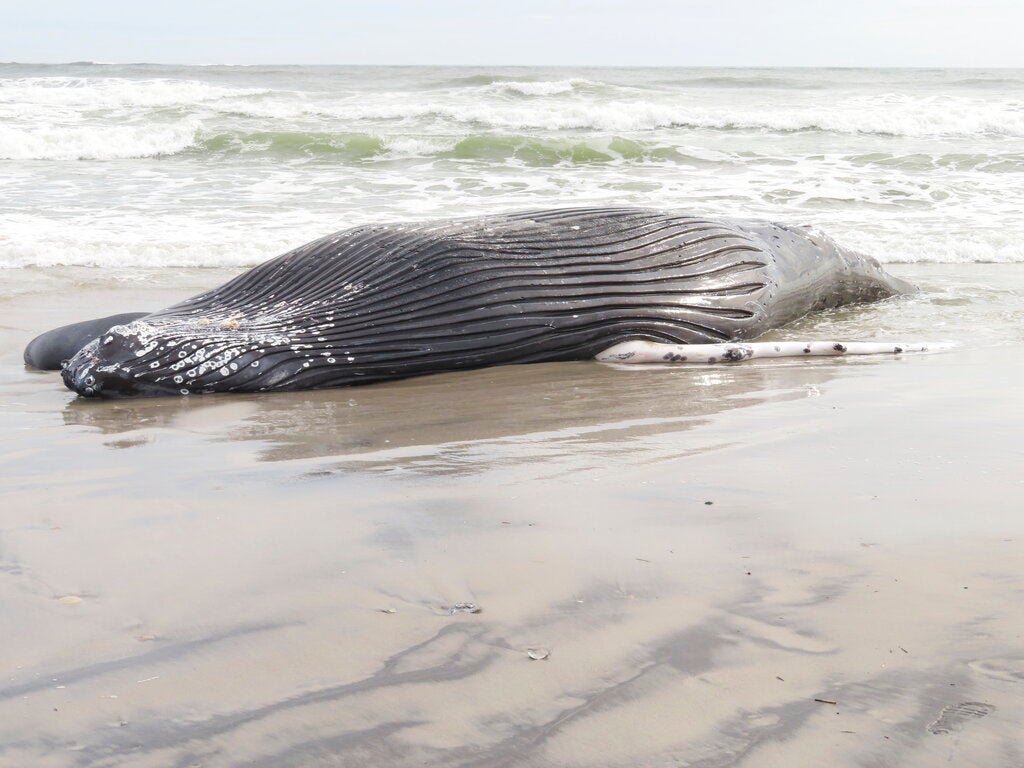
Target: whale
(388, 301)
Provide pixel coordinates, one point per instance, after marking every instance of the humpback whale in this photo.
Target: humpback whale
(388, 301)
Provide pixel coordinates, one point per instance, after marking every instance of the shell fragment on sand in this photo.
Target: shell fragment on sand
(464, 608)
(632, 352)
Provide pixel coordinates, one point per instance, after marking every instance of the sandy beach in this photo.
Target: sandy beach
(778, 563)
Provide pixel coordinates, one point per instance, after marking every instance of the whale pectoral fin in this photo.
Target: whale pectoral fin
(47, 350)
(733, 352)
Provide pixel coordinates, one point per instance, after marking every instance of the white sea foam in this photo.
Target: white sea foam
(109, 92)
(417, 147)
(913, 247)
(96, 142)
(919, 116)
(928, 117)
(539, 87)
(131, 241)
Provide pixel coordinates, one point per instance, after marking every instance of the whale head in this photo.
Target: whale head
(172, 356)
(109, 367)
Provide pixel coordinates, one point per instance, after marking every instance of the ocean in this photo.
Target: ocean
(127, 167)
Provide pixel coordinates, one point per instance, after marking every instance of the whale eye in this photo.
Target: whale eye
(90, 380)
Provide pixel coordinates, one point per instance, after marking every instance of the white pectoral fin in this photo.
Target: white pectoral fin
(734, 352)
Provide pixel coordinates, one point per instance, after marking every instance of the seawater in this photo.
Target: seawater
(132, 167)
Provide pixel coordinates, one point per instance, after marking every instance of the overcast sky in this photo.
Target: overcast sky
(950, 33)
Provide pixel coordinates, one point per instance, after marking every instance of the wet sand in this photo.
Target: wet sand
(770, 564)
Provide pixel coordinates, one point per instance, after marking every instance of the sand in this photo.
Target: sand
(784, 563)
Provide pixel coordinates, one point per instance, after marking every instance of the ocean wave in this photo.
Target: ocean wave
(927, 248)
(188, 137)
(96, 142)
(956, 161)
(40, 241)
(126, 255)
(102, 142)
(991, 81)
(343, 146)
(114, 92)
(919, 118)
(542, 87)
(513, 106)
(548, 152)
(479, 79)
(485, 147)
(745, 81)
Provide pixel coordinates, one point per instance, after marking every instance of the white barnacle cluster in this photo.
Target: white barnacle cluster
(185, 350)
(204, 346)
(350, 291)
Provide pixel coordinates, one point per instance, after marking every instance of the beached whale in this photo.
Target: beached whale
(395, 300)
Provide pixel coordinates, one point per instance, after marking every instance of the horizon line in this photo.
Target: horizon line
(86, 62)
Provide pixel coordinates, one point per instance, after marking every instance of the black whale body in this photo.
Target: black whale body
(396, 300)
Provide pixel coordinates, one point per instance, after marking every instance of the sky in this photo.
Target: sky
(871, 33)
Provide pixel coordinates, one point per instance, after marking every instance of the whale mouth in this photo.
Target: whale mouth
(99, 373)
(77, 372)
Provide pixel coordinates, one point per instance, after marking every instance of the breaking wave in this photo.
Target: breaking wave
(96, 142)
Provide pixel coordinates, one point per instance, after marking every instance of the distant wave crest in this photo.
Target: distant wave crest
(912, 119)
(113, 92)
(542, 87)
(495, 103)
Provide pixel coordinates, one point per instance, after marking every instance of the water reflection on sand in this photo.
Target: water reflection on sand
(567, 413)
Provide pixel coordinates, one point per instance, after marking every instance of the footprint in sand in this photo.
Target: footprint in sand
(1011, 670)
(953, 717)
